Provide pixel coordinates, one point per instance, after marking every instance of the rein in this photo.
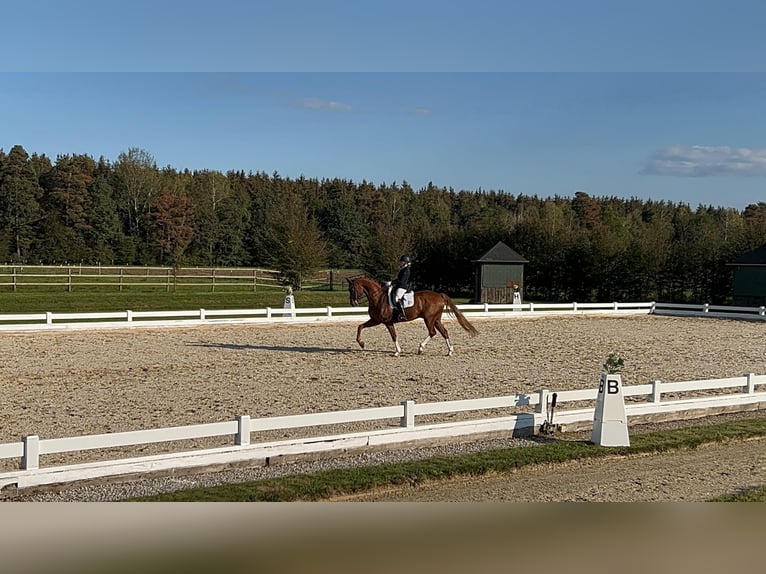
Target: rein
(372, 289)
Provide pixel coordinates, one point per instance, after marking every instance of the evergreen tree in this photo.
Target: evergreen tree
(66, 203)
(342, 224)
(20, 213)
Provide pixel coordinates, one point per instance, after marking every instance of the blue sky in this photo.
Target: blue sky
(660, 100)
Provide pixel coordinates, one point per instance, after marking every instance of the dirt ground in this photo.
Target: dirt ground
(74, 383)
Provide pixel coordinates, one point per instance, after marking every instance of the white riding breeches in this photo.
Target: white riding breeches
(399, 294)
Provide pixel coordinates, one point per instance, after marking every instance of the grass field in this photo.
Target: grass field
(35, 289)
(138, 299)
(315, 487)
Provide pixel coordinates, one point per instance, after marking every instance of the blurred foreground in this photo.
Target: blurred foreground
(338, 538)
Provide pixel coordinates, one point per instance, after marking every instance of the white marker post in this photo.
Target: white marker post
(289, 304)
(610, 423)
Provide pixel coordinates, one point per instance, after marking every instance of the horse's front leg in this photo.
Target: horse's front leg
(394, 338)
(370, 323)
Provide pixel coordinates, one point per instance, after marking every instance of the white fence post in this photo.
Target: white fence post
(129, 316)
(656, 392)
(243, 430)
(202, 314)
(31, 458)
(408, 420)
(762, 311)
(48, 318)
(542, 404)
(329, 311)
(750, 387)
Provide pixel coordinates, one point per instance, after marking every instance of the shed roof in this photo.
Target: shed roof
(500, 253)
(754, 257)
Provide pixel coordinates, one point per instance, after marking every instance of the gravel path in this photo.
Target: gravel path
(68, 384)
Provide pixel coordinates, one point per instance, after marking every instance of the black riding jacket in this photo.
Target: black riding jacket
(402, 278)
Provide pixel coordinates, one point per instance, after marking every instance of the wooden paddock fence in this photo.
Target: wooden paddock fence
(69, 278)
(689, 399)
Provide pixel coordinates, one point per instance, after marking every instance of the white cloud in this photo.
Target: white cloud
(320, 104)
(703, 161)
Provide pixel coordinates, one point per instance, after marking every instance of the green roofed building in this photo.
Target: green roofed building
(498, 274)
(750, 278)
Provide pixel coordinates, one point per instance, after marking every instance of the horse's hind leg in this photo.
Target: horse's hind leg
(423, 344)
(432, 327)
(444, 333)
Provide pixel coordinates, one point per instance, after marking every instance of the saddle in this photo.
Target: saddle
(408, 300)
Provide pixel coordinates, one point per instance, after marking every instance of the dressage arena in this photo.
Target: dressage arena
(62, 384)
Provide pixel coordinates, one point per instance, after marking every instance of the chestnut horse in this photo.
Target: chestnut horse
(428, 304)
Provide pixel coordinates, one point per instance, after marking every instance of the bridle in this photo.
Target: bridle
(355, 292)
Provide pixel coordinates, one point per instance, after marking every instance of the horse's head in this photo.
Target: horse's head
(355, 292)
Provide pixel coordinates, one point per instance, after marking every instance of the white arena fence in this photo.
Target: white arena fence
(736, 393)
(707, 310)
(51, 321)
(690, 398)
(48, 321)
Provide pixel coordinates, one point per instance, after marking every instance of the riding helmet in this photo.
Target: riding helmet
(404, 259)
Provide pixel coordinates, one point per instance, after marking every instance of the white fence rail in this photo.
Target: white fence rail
(47, 321)
(707, 310)
(702, 397)
(123, 319)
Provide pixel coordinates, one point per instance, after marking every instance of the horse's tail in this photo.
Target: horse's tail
(461, 319)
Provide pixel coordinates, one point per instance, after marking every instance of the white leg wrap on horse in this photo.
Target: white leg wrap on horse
(449, 346)
(424, 343)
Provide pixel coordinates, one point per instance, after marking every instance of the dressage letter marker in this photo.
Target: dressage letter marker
(610, 423)
(289, 304)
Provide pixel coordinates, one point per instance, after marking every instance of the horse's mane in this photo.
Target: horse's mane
(366, 276)
(377, 286)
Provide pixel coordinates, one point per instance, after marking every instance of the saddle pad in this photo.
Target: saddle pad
(408, 300)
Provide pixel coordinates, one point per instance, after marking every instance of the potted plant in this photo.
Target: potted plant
(614, 364)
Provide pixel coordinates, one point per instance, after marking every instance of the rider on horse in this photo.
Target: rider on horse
(400, 284)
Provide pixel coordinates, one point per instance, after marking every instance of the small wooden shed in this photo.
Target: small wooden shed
(499, 273)
(750, 278)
